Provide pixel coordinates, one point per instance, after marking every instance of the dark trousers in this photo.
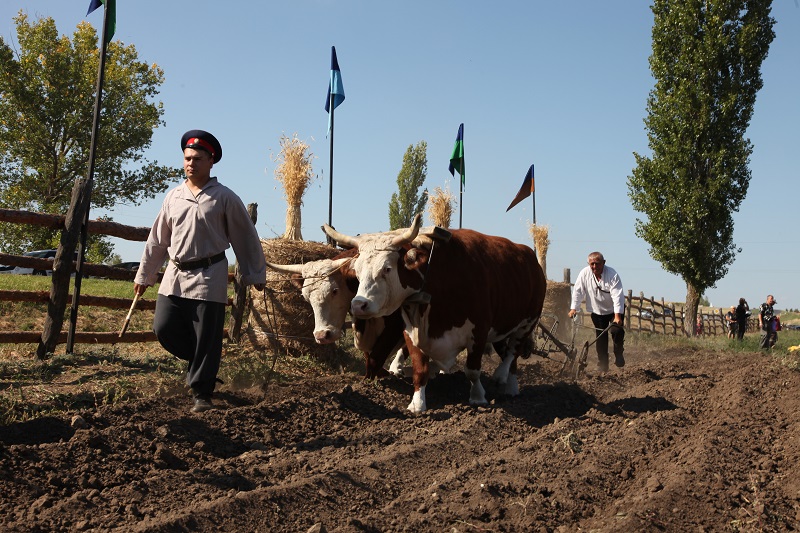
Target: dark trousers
(601, 322)
(770, 336)
(192, 330)
(740, 327)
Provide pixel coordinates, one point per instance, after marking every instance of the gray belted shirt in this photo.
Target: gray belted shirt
(189, 228)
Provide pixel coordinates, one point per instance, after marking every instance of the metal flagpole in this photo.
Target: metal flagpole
(330, 171)
(460, 199)
(76, 295)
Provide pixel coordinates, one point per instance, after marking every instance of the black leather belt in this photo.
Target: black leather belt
(199, 263)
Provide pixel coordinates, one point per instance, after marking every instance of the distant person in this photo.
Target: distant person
(198, 220)
(768, 323)
(742, 314)
(698, 327)
(601, 287)
(730, 319)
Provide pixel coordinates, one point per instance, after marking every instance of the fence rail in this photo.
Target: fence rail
(649, 315)
(60, 283)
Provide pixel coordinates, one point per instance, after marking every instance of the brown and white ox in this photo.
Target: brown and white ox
(482, 289)
(329, 285)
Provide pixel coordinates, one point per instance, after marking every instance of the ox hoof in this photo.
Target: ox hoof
(478, 402)
(416, 409)
(417, 404)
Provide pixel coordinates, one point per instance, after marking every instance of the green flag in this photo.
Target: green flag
(111, 23)
(457, 159)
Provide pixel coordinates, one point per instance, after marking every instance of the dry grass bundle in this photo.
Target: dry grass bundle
(541, 241)
(280, 318)
(440, 207)
(294, 171)
(556, 302)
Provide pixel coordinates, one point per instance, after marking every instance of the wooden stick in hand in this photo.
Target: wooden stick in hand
(128, 318)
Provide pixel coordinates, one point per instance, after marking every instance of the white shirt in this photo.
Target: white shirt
(603, 296)
(189, 228)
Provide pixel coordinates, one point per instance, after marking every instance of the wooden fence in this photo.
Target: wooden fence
(649, 315)
(60, 285)
(656, 316)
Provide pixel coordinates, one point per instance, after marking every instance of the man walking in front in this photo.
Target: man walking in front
(197, 222)
(601, 287)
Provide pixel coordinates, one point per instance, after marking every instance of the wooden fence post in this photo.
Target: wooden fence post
(567, 276)
(628, 303)
(62, 267)
(240, 290)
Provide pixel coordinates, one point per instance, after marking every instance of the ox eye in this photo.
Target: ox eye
(387, 270)
(335, 291)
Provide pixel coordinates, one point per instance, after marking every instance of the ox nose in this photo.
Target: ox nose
(325, 336)
(359, 306)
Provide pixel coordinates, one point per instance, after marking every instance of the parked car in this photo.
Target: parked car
(652, 313)
(128, 265)
(41, 254)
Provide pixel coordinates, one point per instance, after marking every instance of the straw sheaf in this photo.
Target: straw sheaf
(556, 302)
(280, 319)
(440, 207)
(294, 172)
(541, 240)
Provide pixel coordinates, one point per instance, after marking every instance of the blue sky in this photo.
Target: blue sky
(561, 85)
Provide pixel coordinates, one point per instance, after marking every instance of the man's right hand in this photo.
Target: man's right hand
(572, 313)
(138, 290)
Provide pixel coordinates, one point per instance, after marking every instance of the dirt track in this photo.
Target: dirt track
(674, 442)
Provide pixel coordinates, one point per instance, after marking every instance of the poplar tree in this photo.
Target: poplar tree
(706, 61)
(408, 201)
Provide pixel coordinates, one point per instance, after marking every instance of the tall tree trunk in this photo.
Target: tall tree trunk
(690, 309)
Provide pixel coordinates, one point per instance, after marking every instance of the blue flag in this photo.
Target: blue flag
(526, 190)
(335, 87)
(457, 158)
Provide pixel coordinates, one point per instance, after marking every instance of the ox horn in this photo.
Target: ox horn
(339, 263)
(287, 269)
(341, 238)
(410, 234)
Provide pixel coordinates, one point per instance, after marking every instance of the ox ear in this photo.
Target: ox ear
(297, 280)
(415, 258)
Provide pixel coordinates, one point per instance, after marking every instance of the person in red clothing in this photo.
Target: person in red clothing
(698, 327)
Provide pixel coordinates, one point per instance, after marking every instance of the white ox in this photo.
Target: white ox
(329, 285)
